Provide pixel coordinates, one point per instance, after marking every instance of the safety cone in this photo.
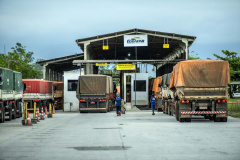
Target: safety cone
(42, 114)
(46, 111)
(37, 116)
(38, 112)
(53, 112)
(28, 119)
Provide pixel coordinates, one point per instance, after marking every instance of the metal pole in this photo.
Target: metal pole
(34, 111)
(135, 85)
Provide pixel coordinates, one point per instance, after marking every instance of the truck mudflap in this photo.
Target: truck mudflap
(90, 109)
(204, 112)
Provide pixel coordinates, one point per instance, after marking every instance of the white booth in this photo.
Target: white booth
(71, 103)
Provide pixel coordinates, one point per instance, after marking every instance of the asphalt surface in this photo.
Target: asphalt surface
(137, 135)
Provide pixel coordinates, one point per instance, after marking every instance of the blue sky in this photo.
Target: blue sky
(49, 28)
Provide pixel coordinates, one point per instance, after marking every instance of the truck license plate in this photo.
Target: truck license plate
(203, 107)
(13, 110)
(92, 102)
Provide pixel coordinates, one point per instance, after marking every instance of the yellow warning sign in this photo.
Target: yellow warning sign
(165, 45)
(105, 47)
(101, 64)
(126, 67)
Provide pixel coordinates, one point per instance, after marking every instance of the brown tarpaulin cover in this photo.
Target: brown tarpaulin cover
(200, 73)
(92, 84)
(157, 81)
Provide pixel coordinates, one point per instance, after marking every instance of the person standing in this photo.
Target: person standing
(118, 102)
(152, 101)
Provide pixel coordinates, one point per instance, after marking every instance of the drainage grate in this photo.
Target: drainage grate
(100, 148)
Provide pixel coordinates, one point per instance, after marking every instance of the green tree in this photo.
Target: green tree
(20, 60)
(193, 56)
(234, 63)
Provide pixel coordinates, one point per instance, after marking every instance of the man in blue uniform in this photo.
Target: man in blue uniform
(152, 101)
(118, 102)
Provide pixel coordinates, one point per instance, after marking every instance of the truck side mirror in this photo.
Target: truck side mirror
(24, 87)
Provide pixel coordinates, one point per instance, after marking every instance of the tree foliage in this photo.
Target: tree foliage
(234, 63)
(193, 56)
(20, 60)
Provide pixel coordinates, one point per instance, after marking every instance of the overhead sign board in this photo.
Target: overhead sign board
(135, 40)
(165, 45)
(105, 47)
(101, 64)
(126, 67)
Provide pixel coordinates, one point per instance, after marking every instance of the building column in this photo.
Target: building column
(185, 40)
(47, 73)
(87, 67)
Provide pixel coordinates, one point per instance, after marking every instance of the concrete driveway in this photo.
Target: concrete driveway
(137, 135)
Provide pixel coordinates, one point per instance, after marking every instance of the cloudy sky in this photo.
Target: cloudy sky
(49, 28)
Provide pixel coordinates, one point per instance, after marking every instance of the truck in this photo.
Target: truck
(95, 93)
(39, 91)
(157, 92)
(11, 90)
(58, 94)
(200, 88)
(18, 94)
(168, 95)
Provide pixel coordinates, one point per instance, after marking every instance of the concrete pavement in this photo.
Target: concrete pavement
(135, 135)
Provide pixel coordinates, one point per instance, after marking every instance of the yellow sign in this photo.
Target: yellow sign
(165, 45)
(126, 67)
(101, 64)
(105, 47)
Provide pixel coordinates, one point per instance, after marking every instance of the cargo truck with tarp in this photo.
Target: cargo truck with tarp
(58, 94)
(167, 94)
(39, 91)
(94, 93)
(157, 92)
(200, 88)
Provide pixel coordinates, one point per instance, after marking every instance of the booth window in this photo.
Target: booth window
(141, 85)
(72, 85)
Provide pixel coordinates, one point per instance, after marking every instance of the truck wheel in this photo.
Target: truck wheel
(217, 119)
(224, 119)
(177, 110)
(1, 117)
(10, 113)
(188, 119)
(211, 117)
(14, 113)
(181, 119)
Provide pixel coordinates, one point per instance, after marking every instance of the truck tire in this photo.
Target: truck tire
(10, 113)
(1, 117)
(224, 119)
(188, 119)
(14, 113)
(177, 111)
(217, 119)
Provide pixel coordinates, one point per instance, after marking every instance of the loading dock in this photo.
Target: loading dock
(163, 51)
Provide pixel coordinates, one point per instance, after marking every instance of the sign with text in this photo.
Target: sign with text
(135, 40)
(101, 64)
(165, 45)
(105, 47)
(125, 67)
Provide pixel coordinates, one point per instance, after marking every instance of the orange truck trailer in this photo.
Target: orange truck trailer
(200, 88)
